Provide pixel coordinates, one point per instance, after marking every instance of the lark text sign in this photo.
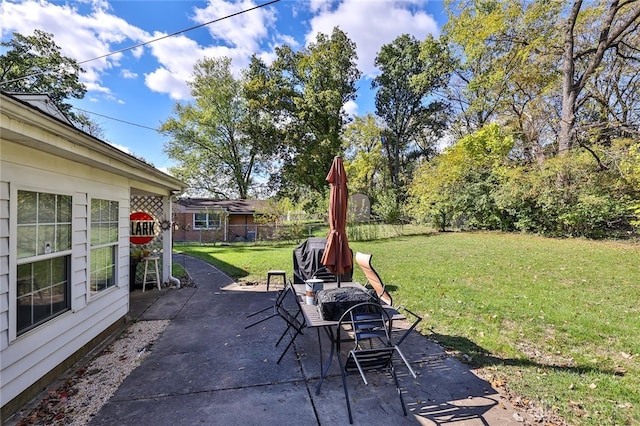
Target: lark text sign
(143, 228)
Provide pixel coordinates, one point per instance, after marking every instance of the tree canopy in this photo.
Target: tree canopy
(35, 64)
(305, 92)
(210, 137)
(492, 87)
(410, 71)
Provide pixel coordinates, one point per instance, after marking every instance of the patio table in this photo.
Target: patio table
(313, 319)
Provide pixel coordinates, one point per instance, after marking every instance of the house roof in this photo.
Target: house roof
(43, 102)
(231, 206)
(30, 121)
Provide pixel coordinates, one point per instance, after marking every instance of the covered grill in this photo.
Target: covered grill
(307, 262)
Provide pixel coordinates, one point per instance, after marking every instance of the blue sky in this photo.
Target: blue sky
(140, 86)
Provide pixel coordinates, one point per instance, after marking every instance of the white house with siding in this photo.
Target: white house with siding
(65, 205)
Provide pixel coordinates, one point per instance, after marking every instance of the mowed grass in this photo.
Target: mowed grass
(555, 322)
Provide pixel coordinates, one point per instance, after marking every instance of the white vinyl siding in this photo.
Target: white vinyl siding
(44, 156)
(29, 355)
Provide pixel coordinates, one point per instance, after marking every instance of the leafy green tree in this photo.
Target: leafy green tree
(365, 165)
(210, 138)
(410, 71)
(509, 53)
(611, 107)
(459, 183)
(34, 64)
(506, 69)
(87, 125)
(305, 92)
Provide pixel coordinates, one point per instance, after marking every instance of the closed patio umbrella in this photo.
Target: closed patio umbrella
(337, 255)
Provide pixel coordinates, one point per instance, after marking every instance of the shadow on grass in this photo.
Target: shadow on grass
(476, 356)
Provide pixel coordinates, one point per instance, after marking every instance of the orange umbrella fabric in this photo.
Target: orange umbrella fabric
(337, 255)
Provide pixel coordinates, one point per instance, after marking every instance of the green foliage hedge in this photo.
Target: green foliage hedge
(475, 185)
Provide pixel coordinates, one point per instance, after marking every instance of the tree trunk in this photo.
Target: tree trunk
(569, 89)
(615, 26)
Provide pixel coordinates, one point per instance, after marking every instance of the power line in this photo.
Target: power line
(118, 119)
(181, 31)
(147, 42)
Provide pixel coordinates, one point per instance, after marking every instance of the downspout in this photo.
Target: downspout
(175, 281)
(226, 224)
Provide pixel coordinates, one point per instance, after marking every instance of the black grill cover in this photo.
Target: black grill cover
(332, 303)
(307, 261)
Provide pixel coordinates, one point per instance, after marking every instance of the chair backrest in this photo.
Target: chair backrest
(322, 273)
(369, 320)
(373, 279)
(366, 321)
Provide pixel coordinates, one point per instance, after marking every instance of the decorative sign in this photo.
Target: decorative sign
(143, 228)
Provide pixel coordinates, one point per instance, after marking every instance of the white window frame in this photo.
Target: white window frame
(45, 250)
(214, 218)
(98, 242)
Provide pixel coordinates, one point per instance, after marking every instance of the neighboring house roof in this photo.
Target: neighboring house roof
(231, 206)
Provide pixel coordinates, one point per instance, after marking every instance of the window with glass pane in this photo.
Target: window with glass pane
(43, 291)
(44, 257)
(104, 242)
(44, 223)
(206, 220)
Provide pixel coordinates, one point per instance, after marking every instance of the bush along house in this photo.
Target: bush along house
(73, 211)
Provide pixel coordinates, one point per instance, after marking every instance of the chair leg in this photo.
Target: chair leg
(415, 323)
(395, 378)
(288, 346)
(289, 326)
(283, 334)
(355, 359)
(275, 314)
(404, 359)
(346, 392)
(260, 311)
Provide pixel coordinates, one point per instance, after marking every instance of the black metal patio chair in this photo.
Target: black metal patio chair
(369, 324)
(279, 300)
(287, 306)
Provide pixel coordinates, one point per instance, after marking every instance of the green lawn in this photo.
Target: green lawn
(556, 322)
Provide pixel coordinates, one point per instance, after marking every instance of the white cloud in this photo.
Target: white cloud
(94, 87)
(82, 36)
(351, 108)
(164, 81)
(176, 56)
(121, 147)
(89, 29)
(125, 73)
(243, 31)
(371, 24)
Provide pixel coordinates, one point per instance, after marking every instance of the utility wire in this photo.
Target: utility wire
(180, 32)
(117, 119)
(149, 42)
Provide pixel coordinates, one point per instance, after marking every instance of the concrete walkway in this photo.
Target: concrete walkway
(206, 369)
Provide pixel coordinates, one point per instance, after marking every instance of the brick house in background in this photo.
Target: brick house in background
(207, 220)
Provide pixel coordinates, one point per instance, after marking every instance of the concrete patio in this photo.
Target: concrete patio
(206, 369)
